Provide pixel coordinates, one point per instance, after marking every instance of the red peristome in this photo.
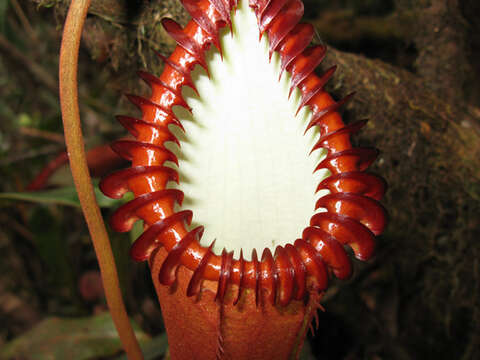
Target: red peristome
(157, 133)
(304, 64)
(256, 272)
(347, 231)
(269, 14)
(334, 141)
(285, 276)
(331, 251)
(320, 115)
(220, 314)
(144, 246)
(357, 182)
(195, 283)
(186, 78)
(155, 154)
(158, 86)
(268, 277)
(299, 271)
(220, 6)
(294, 43)
(367, 211)
(353, 212)
(283, 23)
(167, 275)
(358, 159)
(115, 185)
(126, 215)
(209, 21)
(160, 114)
(259, 6)
(312, 86)
(240, 282)
(225, 271)
(315, 265)
(185, 41)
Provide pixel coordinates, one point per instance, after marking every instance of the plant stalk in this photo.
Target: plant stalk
(78, 163)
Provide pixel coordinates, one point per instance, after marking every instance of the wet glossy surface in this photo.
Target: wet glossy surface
(353, 214)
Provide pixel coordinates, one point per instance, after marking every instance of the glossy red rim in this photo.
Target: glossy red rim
(353, 214)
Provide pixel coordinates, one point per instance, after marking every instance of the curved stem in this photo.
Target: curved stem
(78, 163)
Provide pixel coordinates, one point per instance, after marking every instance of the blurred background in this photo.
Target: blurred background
(414, 66)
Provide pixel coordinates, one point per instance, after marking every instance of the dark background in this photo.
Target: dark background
(414, 66)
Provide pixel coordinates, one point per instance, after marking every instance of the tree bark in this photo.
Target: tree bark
(440, 32)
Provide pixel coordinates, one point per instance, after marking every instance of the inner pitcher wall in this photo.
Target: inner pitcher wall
(244, 161)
